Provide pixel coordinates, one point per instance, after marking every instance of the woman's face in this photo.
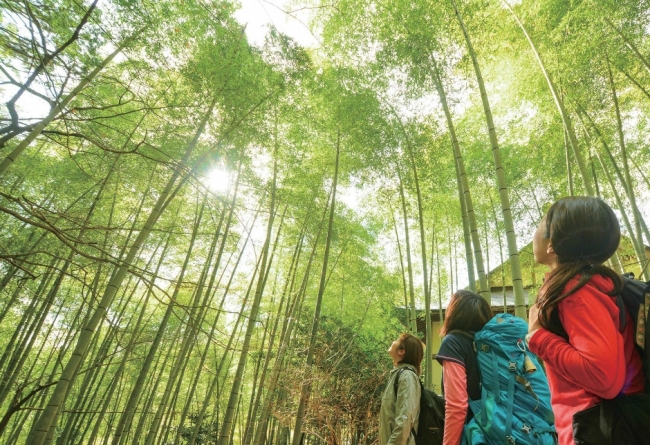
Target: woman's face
(542, 249)
(395, 351)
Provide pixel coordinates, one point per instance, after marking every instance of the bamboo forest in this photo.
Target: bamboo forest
(207, 238)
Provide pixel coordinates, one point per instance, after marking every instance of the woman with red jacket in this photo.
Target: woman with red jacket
(574, 324)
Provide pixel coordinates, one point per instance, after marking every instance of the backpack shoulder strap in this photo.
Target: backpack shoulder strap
(396, 382)
(632, 297)
(628, 286)
(622, 319)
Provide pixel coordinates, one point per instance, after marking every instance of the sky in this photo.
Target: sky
(288, 19)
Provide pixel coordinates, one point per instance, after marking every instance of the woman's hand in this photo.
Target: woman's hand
(533, 318)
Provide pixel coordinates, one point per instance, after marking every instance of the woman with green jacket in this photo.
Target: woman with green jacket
(400, 408)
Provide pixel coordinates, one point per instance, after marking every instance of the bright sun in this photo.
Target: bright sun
(217, 180)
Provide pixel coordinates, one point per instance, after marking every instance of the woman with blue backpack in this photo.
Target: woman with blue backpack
(574, 324)
(400, 404)
(495, 390)
(467, 313)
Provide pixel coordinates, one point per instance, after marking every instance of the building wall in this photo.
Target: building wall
(433, 349)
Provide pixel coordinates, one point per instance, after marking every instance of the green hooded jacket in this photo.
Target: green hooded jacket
(398, 415)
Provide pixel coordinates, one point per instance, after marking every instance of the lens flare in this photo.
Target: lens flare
(218, 180)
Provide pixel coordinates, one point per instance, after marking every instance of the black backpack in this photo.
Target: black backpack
(624, 419)
(431, 423)
(636, 299)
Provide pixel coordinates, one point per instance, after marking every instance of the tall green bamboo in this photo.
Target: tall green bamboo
(435, 247)
(409, 266)
(45, 421)
(305, 390)
(409, 309)
(629, 185)
(569, 174)
(187, 338)
(637, 249)
(208, 291)
(213, 384)
(629, 44)
(229, 418)
(131, 404)
(513, 251)
(428, 359)
(463, 189)
(566, 119)
(259, 386)
(60, 105)
(286, 336)
(619, 203)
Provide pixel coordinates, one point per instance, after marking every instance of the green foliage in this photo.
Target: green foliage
(74, 202)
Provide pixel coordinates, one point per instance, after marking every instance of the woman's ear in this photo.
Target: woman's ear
(549, 249)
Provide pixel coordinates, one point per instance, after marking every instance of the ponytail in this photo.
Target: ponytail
(552, 292)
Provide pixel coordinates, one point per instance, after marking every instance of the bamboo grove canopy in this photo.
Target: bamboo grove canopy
(206, 239)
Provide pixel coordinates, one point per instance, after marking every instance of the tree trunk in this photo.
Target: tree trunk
(58, 107)
(409, 319)
(513, 252)
(407, 238)
(213, 384)
(637, 249)
(228, 421)
(187, 339)
(428, 380)
(569, 175)
(285, 339)
(304, 393)
(629, 185)
(467, 236)
(425, 272)
(566, 120)
(629, 44)
(201, 284)
(615, 258)
(250, 427)
(440, 311)
(500, 242)
(465, 197)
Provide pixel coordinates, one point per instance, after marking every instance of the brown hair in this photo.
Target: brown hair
(467, 311)
(413, 350)
(584, 233)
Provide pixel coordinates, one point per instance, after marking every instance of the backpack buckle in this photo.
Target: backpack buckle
(510, 440)
(512, 366)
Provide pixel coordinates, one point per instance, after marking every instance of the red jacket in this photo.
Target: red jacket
(597, 362)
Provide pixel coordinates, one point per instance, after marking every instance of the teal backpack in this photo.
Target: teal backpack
(515, 404)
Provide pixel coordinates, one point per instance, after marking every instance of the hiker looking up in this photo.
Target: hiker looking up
(467, 312)
(574, 323)
(398, 416)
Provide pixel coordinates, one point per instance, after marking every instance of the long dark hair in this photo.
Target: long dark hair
(584, 233)
(413, 350)
(467, 311)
